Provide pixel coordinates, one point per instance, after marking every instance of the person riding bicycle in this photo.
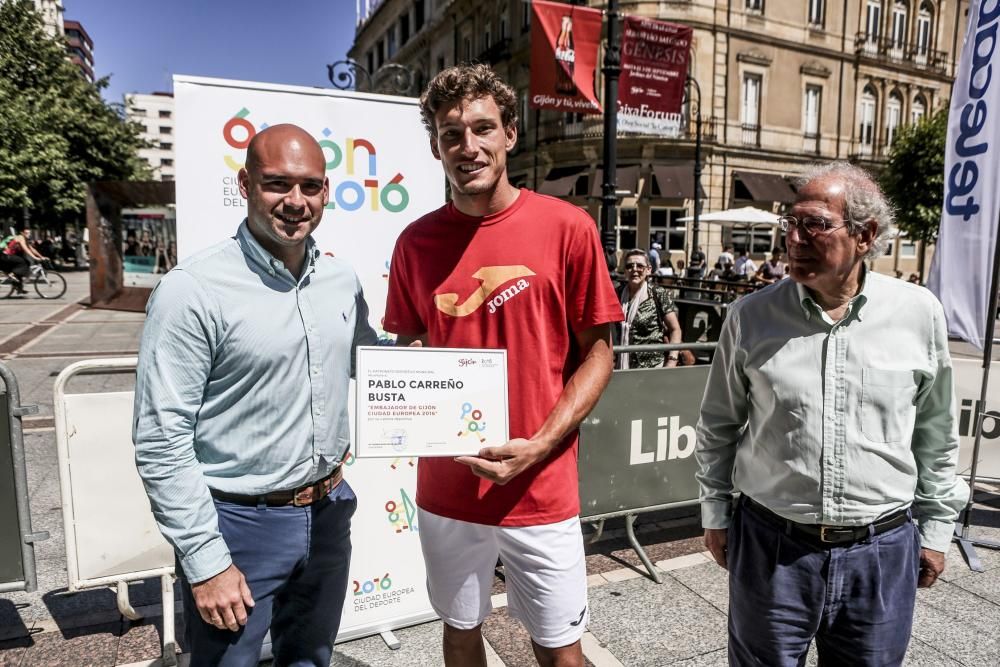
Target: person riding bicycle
(17, 257)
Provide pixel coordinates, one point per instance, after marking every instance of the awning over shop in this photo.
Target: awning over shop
(627, 177)
(766, 187)
(675, 181)
(559, 181)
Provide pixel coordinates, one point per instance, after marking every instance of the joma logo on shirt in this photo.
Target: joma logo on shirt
(491, 278)
(506, 295)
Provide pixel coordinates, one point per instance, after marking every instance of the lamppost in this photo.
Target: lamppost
(691, 81)
(609, 199)
(393, 79)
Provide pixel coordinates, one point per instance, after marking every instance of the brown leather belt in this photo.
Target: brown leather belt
(300, 497)
(824, 536)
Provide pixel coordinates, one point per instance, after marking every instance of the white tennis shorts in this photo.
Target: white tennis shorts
(544, 568)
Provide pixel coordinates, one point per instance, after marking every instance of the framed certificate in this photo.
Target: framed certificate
(426, 401)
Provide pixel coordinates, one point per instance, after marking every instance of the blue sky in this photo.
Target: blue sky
(143, 43)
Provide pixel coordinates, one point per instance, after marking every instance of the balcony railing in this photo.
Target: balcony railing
(592, 127)
(867, 150)
(891, 50)
(750, 135)
(497, 52)
(810, 143)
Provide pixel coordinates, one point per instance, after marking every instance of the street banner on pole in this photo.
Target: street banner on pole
(382, 177)
(564, 41)
(654, 69)
(961, 271)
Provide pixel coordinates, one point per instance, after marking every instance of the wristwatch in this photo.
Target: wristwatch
(673, 357)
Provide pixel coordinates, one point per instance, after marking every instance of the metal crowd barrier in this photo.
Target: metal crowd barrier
(637, 444)
(17, 546)
(111, 538)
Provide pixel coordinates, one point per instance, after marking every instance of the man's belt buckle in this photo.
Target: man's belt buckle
(828, 534)
(310, 494)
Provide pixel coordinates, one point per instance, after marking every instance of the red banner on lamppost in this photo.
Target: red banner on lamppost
(654, 69)
(564, 41)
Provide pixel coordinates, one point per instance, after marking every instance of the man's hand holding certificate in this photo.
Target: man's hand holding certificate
(416, 401)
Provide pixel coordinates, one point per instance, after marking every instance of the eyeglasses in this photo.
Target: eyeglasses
(636, 265)
(814, 225)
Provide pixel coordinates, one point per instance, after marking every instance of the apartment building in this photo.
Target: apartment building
(52, 16)
(155, 113)
(783, 84)
(79, 45)
(80, 48)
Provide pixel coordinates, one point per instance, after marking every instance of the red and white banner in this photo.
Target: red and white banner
(654, 69)
(564, 40)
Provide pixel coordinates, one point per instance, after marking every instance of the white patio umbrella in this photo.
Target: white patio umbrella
(746, 218)
(748, 215)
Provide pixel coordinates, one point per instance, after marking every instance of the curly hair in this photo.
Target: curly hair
(863, 201)
(466, 82)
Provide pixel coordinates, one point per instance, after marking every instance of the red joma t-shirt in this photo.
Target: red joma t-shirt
(524, 279)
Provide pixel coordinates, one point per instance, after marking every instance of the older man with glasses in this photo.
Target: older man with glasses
(830, 410)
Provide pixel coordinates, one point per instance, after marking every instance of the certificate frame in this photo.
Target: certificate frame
(430, 401)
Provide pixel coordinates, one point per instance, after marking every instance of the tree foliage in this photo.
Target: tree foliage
(913, 178)
(56, 133)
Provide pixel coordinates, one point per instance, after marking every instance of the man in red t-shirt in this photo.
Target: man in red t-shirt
(501, 267)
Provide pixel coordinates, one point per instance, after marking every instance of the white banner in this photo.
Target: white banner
(382, 177)
(968, 384)
(962, 268)
(382, 174)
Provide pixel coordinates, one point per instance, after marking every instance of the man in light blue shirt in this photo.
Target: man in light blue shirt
(830, 408)
(241, 418)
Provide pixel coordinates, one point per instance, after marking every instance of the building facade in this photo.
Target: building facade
(155, 113)
(52, 16)
(80, 48)
(783, 84)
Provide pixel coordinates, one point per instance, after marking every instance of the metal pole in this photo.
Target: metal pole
(695, 228)
(612, 68)
(538, 118)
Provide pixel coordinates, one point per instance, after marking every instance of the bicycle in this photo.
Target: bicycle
(48, 284)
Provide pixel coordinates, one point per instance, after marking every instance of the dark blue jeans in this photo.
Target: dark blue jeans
(856, 601)
(295, 560)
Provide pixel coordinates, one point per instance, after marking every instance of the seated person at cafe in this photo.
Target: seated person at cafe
(772, 270)
(745, 267)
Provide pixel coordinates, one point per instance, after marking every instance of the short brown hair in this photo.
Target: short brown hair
(637, 252)
(467, 82)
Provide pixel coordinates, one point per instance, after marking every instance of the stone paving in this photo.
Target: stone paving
(634, 621)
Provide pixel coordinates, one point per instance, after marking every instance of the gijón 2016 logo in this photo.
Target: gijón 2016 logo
(353, 189)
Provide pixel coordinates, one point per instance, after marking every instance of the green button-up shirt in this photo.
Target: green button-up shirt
(829, 422)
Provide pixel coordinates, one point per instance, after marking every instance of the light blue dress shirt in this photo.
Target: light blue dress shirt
(833, 423)
(242, 385)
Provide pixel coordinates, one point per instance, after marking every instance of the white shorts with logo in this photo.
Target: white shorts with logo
(544, 567)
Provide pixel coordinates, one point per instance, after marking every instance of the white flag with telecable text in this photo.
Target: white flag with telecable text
(963, 262)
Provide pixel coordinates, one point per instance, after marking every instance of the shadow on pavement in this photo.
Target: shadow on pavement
(11, 625)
